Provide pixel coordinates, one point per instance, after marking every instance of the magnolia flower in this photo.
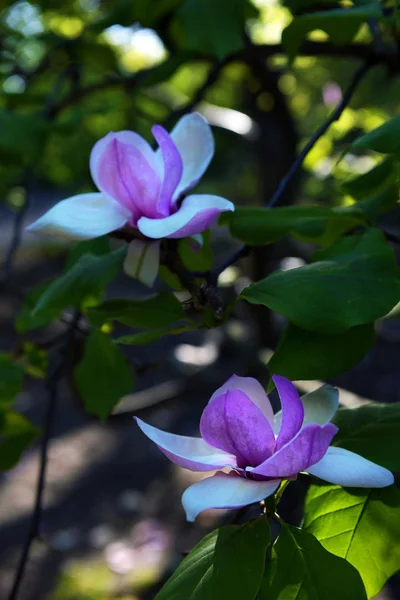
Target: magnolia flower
(143, 189)
(240, 431)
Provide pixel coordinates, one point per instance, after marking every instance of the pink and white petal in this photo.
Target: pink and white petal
(187, 452)
(193, 137)
(233, 423)
(292, 410)
(171, 170)
(305, 449)
(142, 261)
(348, 469)
(252, 388)
(126, 137)
(319, 407)
(82, 217)
(197, 213)
(225, 490)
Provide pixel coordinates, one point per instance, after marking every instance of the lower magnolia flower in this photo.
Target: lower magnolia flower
(240, 431)
(143, 189)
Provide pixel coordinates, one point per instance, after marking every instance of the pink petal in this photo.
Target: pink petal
(196, 214)
(187, 452)
(304, 450)
(232, 422)
(224, 490)
(143, 260)
(253, 389)
(193, 137)
(124, 173)
(82, 217)
(172, 169)
(292, 410)
(348, 469)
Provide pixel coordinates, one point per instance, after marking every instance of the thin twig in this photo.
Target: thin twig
(52, 389)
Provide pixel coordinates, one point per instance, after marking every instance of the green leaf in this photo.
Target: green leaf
(98, 247)
(83, 283)
(340, 24)
(354, 282)
(27, 319)
(227, 563)
(16, 434)
(217, 28)
(301, 569)
(303, 354)
(158, 311)
(22, 135)
(375, 181)
(379, 204)
(151, 335)
(372, 431)
(362, 526)
(194, 257)
(11, 379)
(384, 139)
(103, 376)
(260, 226)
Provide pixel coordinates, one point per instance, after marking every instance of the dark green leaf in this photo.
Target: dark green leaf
(11, 379)
(385, 139)
(383, 202)
(103, 376)
(375, 181)
(22, 135)
(354, 282)
(83, 283)
(303, 354)
(158, 311)
(151, 335)
(194, 256)
(362, 526)
(301, 569)
(36, 361)
(340, 24)
(16, 434)
(227, 563)
(211, 27)
(98, 247)
(307, 223)
(372, 431)
(27, 319)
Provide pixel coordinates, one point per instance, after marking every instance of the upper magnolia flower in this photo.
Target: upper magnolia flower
(240, 431)
(142, 188)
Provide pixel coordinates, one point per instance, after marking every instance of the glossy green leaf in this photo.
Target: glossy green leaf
(384, 139)
(360, 525)
(303, 354)
(151, 335)
(227, 563)
(260, 226)
(195, 257)
(103, 376)
(154, 312)
(16, 434)
(375, 181)
(301, 569)
(83, 283)
(340, 24)
(372, 431)
(354, 282)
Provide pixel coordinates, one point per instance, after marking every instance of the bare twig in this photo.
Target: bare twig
(52, 388)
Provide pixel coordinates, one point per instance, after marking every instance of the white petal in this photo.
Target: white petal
(319, 407)
(196, 214)
(82, 217)
(252, 388)
(224, 490)
(193, 137)
(142, 261)
(126, 137)
(187, 452)
(348, 469)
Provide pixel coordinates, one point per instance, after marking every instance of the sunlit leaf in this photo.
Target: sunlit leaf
(16, 434)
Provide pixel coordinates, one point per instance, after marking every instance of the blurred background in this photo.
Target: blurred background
(70, 72)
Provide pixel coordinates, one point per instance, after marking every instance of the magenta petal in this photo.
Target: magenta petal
(173, 169)
(232, 422)
(306, 449)
(187, 452)
(292, 410)
(224, 490)
(253, 389)
(125, 174)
